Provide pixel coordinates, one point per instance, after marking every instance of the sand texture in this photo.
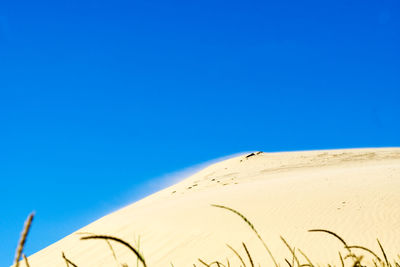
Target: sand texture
(354, 193)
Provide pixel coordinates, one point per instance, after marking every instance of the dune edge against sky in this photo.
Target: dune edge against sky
(351, 192)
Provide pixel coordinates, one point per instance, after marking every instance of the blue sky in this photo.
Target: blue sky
(100, 98)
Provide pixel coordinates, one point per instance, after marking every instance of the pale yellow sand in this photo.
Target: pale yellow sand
(355, 193)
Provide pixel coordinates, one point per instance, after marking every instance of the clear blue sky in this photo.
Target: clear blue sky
(100, 97)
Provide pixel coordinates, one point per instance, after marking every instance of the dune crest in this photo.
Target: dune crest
(353, 192)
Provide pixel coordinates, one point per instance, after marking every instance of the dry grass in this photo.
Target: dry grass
(26, 260)
(252, 228)
(68, 261)
(22, 239)
(350, 258)
(105, 237)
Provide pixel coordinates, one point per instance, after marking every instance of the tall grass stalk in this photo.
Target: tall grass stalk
(22, 239)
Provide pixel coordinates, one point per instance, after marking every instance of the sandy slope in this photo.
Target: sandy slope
(355, 193)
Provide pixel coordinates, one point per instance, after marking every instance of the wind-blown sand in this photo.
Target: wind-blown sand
(353, 192)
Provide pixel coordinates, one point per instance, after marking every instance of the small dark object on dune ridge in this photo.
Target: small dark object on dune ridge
(253, 154)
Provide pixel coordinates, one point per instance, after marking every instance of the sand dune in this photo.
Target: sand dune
(354, 192)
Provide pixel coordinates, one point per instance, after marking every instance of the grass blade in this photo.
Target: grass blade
(331, 233)
(205, 264)
(368, 250)
(138, 255)
(305, 256)
(384, 254)
(238, 255)
(292, 251)
(26, 260)
(248, 254)
(67, 261)
(341, 259)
